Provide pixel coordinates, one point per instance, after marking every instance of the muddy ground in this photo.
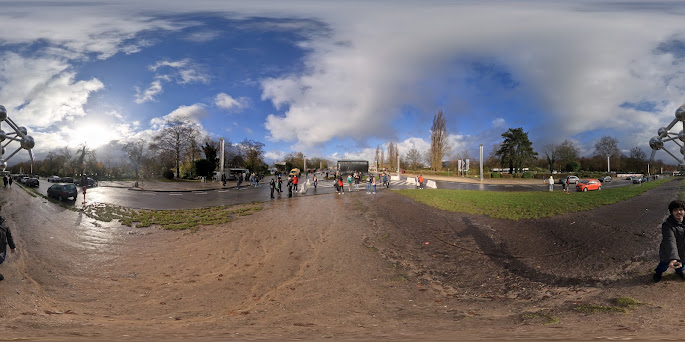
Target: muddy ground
(341, 267)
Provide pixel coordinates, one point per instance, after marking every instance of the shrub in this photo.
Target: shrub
(495, 175)
(527, 175)
(168, 174)
(507, 175)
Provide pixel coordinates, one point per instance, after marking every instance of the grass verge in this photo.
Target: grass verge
(525, 205)
(187, 219)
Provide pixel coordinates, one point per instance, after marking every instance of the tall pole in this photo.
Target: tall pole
(481, 162)
(398, 165)
(608, 169)
(221, 158)
(305, 165)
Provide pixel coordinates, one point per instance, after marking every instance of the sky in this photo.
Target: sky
(336, 79)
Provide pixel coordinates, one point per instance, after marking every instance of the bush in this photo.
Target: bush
(495, 175)
(168, 174)
(507, 175)
(527, 175)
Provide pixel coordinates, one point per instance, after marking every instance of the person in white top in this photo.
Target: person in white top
(550, 183)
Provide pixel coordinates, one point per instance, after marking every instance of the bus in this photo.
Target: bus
(350, 166)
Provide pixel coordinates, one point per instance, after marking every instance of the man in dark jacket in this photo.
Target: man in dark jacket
(6, 236)
(672, 247)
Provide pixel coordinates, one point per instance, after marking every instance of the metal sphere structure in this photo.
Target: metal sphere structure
(18, 134)
(664, 135)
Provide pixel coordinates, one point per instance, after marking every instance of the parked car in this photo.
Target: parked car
(89, 182)
(66, 180)
(23, 180)
(54, 179)
(605, 179)
(32, 182)
(571, 180)
(638, 180)
(63, 191)
(589, 184)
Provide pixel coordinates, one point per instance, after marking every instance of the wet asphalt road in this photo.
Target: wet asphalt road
(165, 200)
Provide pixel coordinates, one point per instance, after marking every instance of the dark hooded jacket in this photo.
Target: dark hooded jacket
(8, 233)
(673, 241)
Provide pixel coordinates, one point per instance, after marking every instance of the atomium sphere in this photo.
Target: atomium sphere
(3, 135)
(3, 113)
(680, 113)
(662, 131)
(3, 165)
(681, 136)
(22, 130)
(27, 142)
(656, 143)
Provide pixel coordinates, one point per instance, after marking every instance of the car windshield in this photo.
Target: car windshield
(584, 182)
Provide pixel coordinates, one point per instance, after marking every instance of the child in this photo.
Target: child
(672, 247)
(5, 239)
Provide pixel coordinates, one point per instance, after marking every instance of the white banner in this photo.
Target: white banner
(459, 165)
(467, 164)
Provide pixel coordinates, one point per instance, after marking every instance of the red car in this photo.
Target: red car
(589, 184)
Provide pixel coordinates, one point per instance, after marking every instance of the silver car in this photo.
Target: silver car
(571, 180)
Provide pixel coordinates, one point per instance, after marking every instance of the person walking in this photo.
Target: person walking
(341, 186)
(368, 184)
(349, 182)
(315, 181)
(272, 187)
(295, 181)
(4, 180)
(550, 183)
(223, 179)
(290, 186)
(373, 183)
(9, 180)
(420, 181)
(5, 239)
(357, 176)
(566, 187)
(240, 180)
(279, 185)
(386, 180)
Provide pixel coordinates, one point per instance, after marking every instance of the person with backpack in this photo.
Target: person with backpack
(5, 239)
(341, 185)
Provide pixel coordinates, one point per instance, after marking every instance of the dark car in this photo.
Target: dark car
(605, 179)
(639, 180)
(66, 180)
(63, 191)
(32, 182)
(89, 182)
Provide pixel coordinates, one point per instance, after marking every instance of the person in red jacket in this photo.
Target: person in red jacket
(295, 181)
(340, 185)
(420, 181)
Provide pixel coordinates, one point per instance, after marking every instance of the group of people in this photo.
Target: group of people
(420, 182)
(7, 180)
(275, 185)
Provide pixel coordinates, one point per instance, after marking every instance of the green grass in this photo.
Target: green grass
(188, 219)
(525, 205)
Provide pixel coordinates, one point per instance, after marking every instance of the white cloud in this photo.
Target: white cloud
(42, 91)
(499, 123)
(193, 113)
(227, 102)
(182, 71)
(149, 94)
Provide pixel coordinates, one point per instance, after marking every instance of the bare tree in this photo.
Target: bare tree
(607, 147)
(175, 138)
(550, 151)
(135, 150)
(413, 158)
(439, 146)
(253, 151)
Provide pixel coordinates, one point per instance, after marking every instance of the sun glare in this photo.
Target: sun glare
(94, 135)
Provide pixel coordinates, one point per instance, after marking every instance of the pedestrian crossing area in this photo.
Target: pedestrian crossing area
(362, 185)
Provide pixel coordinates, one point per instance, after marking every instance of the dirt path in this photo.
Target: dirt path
(348, 266)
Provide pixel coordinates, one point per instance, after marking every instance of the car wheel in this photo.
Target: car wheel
(60, 198)
(600, 188)
(584, 189)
